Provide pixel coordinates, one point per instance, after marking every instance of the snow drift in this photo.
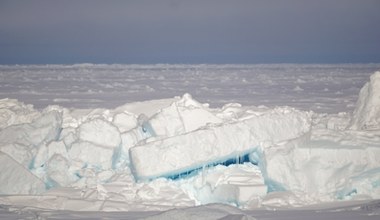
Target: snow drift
(179, 152)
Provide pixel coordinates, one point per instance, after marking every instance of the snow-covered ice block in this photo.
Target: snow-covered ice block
(217, 143)
(19, 152)
(43, 129)
(124, 121)
(22, 141)
(68, 136)
(87, 154)
(182, 116)
(235, 184)
(326, 170)
(100, 132)
(148, 108)
(15, 179)
(367, 112)
(45, 152)
(13, 112)
(57, 171)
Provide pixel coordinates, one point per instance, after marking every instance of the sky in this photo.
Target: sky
(189, 31)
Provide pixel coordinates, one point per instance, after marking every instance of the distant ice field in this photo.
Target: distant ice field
(323, 88)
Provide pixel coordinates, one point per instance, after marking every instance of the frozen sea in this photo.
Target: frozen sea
(325, 88)
(329, 91)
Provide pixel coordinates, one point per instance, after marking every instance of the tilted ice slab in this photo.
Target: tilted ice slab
(16, 179)
(216, 143)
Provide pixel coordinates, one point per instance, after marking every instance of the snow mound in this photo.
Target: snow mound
(367, 112)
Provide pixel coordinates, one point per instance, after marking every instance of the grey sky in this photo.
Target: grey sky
(189, 31)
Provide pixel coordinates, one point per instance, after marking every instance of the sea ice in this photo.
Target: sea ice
(136, 156)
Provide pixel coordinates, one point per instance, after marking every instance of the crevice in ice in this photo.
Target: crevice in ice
(31, 164)
(147, 129)
(344, 194)
(78, 175)
(273, 186)
(257, 158)
(375, 184)
(49, 183)
(254, 156)
(59, 132)
(145, 126)
(117, 158)
(235, 159)
(239, 159)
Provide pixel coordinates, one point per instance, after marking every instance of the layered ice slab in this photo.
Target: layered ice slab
(216, 143)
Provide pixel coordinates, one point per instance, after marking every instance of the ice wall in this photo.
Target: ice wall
(367, 112)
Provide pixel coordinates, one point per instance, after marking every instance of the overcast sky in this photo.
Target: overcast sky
(189, 31)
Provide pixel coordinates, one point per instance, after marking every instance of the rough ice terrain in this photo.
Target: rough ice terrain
(304, 139)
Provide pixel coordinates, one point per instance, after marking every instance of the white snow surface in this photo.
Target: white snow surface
(155, 155)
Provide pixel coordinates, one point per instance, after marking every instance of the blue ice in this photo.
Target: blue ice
(240, 159)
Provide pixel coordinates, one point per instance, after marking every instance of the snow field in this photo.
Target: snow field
(323, 88)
